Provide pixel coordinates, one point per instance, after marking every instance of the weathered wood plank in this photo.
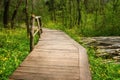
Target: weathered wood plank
(37, 76)
(60, 46)
(54, 70)
(48, 55)
(50, 63)
(57, 50)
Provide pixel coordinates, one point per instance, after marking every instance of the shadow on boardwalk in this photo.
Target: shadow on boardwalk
(55, 57)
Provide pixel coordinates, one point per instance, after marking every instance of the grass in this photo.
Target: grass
(99, 69)
(14, 47)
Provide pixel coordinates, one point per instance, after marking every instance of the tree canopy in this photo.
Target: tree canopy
(98, 16)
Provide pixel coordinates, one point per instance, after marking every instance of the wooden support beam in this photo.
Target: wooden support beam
(33, 32)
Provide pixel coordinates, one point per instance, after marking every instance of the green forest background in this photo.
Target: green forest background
(88, 17)
(78, 18)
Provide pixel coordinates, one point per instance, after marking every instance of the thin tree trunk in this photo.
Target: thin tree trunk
(86, 4)
(32, 7)
(62, 2)
(27, 17)
(6, 13)
(66, 13)
(15, 13)
(70, 16)
(79, 12)
(114, 11)
(96, 18)
(1, 5)
(52, 10)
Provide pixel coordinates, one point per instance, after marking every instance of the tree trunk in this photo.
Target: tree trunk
(27, 17)
(52, 6)
(6, 13)
(1, 4)
(79, 12)
(15, 13)
(70, 13)
(114, 11)
(86, 4)
(96, 18)
(33, 3)
(62, 2)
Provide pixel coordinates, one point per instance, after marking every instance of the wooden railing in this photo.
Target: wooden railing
(35, 20)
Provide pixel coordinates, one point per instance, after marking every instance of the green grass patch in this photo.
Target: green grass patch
(100, 69)
(14, 47)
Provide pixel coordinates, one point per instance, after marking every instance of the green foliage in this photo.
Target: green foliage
(98, 18)
(53, 25)
(101, 70)
(14, 47)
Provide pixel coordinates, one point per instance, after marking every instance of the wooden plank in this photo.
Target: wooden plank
(48, 42)
(53, 70)
(46, 54)
(35, 32)
(37, 17)
(54, 46)
(37, 76)
(50, 63)
(57, 50)
(69, 68)
(53, 61)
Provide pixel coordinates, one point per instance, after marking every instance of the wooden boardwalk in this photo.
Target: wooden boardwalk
(55, 57)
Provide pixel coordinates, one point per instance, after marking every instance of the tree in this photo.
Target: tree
(27, 17)
(6, 13)
(15, 12)
(52, 9)
(79, 12)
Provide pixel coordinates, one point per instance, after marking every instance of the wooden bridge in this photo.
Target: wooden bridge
(55, 57)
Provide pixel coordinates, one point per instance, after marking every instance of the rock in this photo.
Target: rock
(117, 58)
(104, 55)
(88, 41)
(107, 47)
(106, 51)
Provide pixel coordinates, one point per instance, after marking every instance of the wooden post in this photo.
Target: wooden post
(32, 33)
(40, 25)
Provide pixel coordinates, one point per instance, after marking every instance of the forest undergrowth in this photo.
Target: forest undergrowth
(14, 47)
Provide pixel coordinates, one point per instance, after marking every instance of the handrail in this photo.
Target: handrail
(33, 30)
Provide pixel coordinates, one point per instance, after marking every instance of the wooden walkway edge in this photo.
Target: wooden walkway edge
(55, 57)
